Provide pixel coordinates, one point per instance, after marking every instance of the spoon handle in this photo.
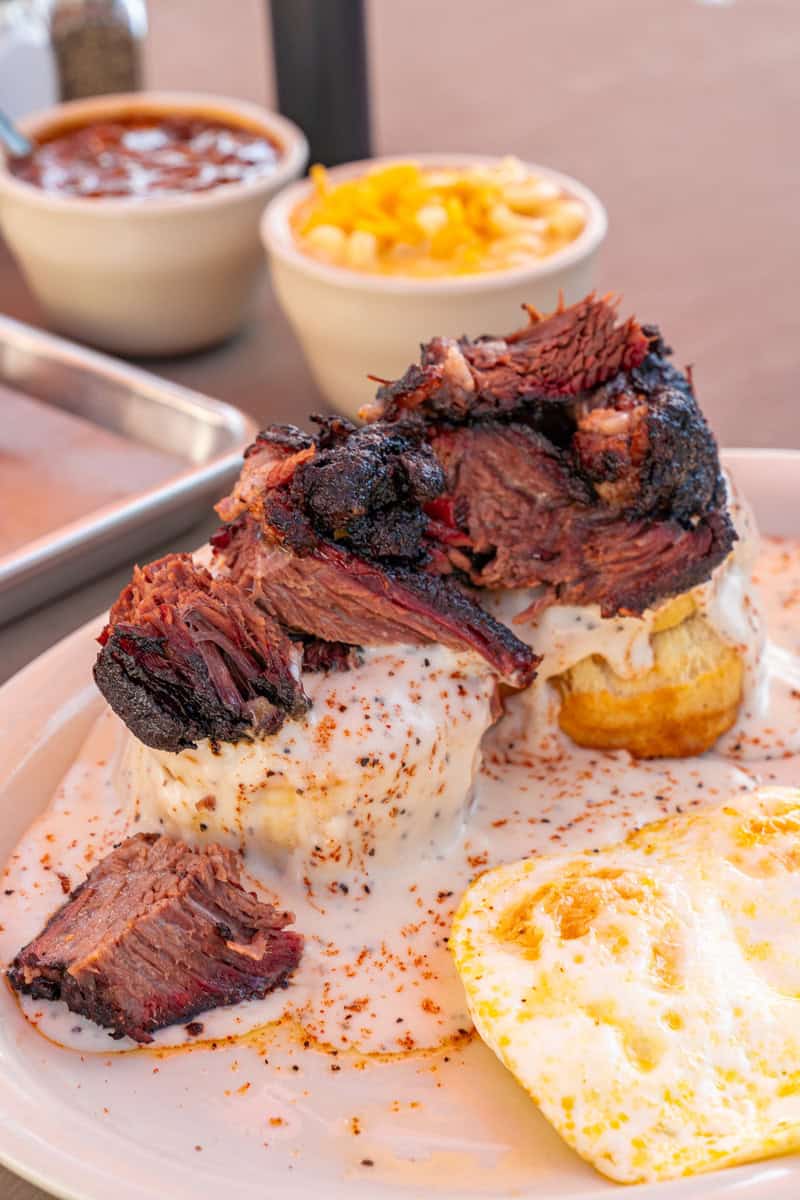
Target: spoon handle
(15, 142)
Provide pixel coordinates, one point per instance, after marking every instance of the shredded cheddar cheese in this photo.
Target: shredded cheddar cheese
(405, 219)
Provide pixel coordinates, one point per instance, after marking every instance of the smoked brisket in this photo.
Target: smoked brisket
(576, 459)
(331, 537)
(186, 656)
(157, 933)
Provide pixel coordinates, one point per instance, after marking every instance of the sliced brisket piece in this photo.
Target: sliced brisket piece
(576, 458)
(336, 544)
(336, 595)
(186, 656)
(157, 933)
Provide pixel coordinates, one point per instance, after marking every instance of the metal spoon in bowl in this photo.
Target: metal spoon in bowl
(17, 145)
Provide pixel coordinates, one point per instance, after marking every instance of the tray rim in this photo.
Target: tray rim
(102, 523)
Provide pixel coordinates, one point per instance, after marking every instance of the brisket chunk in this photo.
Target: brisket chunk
(532, 521)
(186, 656)
(333, 541)
(157, 933)
(560, 356)
(576, 458)
(362, 488)
(367, 488)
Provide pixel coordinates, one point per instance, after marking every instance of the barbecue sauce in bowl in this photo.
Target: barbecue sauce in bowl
(148, 156)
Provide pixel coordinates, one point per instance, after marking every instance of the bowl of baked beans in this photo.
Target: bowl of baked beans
(369, 258)
(135, 219)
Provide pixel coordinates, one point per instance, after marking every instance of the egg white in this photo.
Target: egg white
(647, 996)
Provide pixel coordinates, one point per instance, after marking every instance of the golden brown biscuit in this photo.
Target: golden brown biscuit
(689, 697)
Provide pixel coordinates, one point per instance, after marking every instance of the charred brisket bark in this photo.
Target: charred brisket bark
(157, 933)
(576, 459)
(332, 539)
(186, 656)
(563, 355)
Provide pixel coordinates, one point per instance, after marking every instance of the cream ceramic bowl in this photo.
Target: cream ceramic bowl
(146, 276)
(352, 324)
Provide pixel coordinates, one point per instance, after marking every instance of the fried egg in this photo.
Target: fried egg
(647, 996)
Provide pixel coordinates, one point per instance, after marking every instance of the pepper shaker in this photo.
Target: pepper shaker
(98, 45)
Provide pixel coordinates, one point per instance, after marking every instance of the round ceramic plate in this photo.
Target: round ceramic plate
(260, 1118)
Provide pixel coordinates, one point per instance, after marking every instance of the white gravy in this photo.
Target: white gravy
(376, 974)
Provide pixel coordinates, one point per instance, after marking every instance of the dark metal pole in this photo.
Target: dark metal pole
(320, 49)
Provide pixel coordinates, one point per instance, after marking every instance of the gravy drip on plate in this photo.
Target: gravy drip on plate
(377, 976)
(142, 156)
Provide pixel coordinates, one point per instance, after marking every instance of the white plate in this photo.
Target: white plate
(127, 1125)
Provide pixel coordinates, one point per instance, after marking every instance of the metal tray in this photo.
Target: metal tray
(207, 435)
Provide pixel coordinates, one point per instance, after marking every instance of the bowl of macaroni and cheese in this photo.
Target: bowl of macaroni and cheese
(369, 256)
